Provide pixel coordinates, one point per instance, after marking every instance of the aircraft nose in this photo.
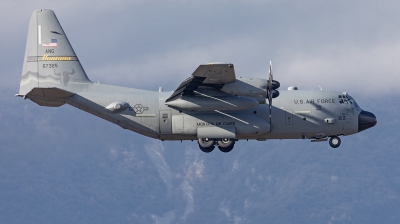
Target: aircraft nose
(366, 120)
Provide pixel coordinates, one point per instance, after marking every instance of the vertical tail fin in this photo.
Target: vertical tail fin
(49, 59)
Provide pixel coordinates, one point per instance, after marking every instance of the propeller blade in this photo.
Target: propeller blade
(272, 91)
(270, 73)
(269, 89)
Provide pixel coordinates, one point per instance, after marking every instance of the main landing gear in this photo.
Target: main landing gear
(334, 141)
(225, 145)
(206, 144)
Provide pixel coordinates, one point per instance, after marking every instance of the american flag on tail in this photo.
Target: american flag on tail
(53, 43)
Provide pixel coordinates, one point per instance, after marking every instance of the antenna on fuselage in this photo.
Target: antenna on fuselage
(320, 87)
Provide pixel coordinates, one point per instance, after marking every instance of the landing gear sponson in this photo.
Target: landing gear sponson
(226, 145)
(207, 145)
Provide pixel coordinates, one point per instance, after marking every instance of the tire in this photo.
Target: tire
(226, 145)
(334, 141)
(206, 142)
(226, 142)
(207, 149)
(225, 149)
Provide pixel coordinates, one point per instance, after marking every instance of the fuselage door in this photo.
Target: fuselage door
(165, 121)
(289, 117)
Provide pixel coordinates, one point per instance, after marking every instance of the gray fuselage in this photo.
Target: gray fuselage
(295, 114)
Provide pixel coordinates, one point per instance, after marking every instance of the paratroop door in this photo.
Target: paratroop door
(165, 122)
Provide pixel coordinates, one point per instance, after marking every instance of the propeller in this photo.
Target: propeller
(271, 90)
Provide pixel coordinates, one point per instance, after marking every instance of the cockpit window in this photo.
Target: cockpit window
(346, 99)
(352, 101)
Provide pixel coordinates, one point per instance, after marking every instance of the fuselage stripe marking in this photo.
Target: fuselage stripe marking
(231, 116)
(215, 98)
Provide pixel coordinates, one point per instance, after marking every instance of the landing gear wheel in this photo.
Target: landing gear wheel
(226, 149)
(334, 141)
(206, 144)
(226, 145)
(207, 149)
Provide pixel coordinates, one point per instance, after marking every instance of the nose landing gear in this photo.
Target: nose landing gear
(334, 141)
(207, 145)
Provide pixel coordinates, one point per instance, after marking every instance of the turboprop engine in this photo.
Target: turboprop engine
(252, 87)
(204, 103)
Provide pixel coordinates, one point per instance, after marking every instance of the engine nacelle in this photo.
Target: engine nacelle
(246, 87)
(252, 87)
(202, 103)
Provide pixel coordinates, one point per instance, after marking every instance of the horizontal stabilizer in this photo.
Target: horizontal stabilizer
(50, 97)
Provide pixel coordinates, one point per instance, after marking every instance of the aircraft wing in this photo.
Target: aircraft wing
(211, 75)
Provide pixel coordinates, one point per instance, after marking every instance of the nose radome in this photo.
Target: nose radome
(366, 120)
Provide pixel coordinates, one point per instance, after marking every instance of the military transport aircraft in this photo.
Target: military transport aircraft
(212, 106)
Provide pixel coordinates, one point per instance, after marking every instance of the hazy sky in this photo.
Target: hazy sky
(350, 46)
